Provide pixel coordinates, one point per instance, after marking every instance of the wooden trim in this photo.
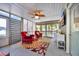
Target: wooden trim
(47, 22)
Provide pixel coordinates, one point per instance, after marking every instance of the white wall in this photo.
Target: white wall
(67, 30)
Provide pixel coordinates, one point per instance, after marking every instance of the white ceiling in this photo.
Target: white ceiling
(52, 11)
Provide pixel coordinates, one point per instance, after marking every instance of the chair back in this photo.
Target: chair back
(37, 33)
(23, 34)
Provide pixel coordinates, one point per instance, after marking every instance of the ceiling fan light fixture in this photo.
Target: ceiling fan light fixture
(37, 14)
(36, 17)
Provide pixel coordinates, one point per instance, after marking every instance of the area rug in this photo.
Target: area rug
(2, 53)
(40, 46)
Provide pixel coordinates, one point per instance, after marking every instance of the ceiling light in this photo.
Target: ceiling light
(36, 17)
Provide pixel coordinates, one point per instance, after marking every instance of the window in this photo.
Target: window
(30, 27)
(43, 27)
(15, 17)
(53, 27)
(49, 33)
(25, 25)
(2, 27)
(38, 27)
(4, 13)
(33, 26)
(47, 29)
(43, 30)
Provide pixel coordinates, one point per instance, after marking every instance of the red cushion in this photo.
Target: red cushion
(25, 38)
(38, 34)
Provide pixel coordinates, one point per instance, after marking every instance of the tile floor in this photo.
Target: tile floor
(16, 50)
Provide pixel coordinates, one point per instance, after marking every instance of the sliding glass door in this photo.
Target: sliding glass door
(4, 39)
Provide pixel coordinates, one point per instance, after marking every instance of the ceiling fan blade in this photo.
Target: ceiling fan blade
(30, 13)
(36, 12)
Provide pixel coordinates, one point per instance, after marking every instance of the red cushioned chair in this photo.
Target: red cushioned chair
(38, 34)
(25, 38)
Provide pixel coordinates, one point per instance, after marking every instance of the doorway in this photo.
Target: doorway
(74, 31)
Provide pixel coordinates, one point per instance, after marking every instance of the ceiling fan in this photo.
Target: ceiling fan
(36, 13)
